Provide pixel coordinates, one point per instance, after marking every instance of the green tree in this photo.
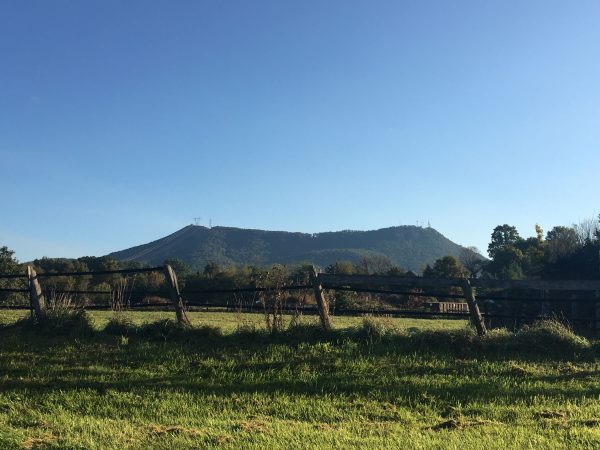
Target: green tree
(180, 267)
(211, 270)
(561, 241)
(396, 271)
(503, 236)
(471, 260)
(8, 263)
(446, 267)
(507, 264)
(342, 268)
(533, 259)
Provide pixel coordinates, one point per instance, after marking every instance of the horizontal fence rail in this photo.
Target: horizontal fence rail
(428, 283)
(100, 272)
(8, 276)
(578, 293)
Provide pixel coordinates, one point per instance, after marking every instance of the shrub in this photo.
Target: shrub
(551, 337)
(306, 333)
(173, 330)
(120, 326)
(59, 322)
(462, 341)
(163, 329)
(376, 328)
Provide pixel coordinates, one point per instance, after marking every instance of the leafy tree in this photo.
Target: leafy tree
(446, 267)
(503, 236)
(561, 241)
(533, 258)
(180, 267)
(211, 270)
(587, 230)
(506, 264)
(471, 259)
(342, 268)
(396, 271)
(539, 232)
(301, 274)
(378, 264)
(8, 263)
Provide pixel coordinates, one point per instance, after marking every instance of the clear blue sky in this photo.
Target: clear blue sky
(120, 121)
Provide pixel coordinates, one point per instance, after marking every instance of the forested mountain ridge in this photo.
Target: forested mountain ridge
(410, 247)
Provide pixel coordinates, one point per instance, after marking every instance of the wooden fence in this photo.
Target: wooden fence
(492, 296)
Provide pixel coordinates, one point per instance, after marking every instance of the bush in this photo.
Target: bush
(375, 328)
(172, 330)
(59, 322)
(120, 326)
(306, 333)
(544, 339)
(553, 338)
(462, 341)
(164, 329)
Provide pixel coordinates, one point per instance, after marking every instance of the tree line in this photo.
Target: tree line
(564, 252)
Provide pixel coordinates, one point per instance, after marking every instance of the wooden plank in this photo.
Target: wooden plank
(171, 280)
(550, 285)
(331, 280)
(100, 272)
(597, 315)
(327, 280)
(322, 303)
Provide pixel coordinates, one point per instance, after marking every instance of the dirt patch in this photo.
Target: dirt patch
(551, 415)
(159, 430)
(520, 370)
(593, 422)
(221, 439)
(39, 442)
(460, 423)
(253, 426)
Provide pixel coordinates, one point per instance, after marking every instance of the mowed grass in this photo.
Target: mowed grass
(386, 383)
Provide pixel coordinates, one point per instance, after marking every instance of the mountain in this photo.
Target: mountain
(410, 247)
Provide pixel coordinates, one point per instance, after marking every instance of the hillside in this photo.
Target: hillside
(410, 247)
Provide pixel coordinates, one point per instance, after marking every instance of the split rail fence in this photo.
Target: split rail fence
(485, 302)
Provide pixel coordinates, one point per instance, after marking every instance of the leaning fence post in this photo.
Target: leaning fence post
(476, 317)
(171, 279)
(322, 303)
(597, 314)
(36, 298)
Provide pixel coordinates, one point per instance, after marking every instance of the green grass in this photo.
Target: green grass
(387, 383)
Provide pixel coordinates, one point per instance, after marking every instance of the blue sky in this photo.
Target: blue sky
(121, 121)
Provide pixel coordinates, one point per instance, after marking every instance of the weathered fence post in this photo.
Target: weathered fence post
(597, 315)
(171, 280)
(36, 298)
(322, 303)
(476, 317)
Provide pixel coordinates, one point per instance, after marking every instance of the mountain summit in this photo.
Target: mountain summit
(410, 247)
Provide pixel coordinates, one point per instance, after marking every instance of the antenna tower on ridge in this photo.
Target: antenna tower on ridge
(197, 220)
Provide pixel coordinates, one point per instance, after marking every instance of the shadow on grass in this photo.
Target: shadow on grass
(165, 356)
(545, 340)
(405, 389)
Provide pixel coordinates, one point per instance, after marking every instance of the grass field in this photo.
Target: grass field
(386, 383)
